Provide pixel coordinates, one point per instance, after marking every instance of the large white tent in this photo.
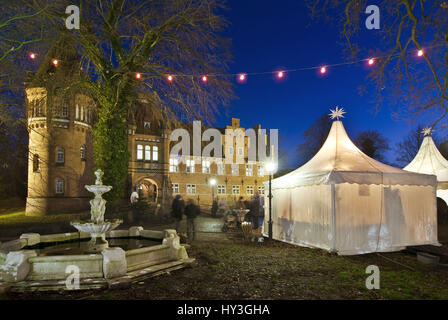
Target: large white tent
(344, 201)
(429, 160)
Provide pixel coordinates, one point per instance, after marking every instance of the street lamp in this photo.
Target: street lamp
(270, 168)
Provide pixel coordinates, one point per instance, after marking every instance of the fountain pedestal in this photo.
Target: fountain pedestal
(97, 226)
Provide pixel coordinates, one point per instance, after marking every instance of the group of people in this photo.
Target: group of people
(255, 214)
(191, 210)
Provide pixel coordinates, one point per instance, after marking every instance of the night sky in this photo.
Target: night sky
(269, 37)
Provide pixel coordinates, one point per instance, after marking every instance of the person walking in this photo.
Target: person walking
(177, 210)
(191, 211)
(257, 215)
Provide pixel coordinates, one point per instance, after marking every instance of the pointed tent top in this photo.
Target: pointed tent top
(339, 160)
(427, 131)
(429, 160)
(336, 113)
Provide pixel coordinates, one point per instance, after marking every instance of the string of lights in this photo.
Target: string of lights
(242, 77)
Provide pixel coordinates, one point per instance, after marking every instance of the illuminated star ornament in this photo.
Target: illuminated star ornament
(427, 131)
(336, 113)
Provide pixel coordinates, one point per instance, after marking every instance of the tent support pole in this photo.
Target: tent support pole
(333, 216)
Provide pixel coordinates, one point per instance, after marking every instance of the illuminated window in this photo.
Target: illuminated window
(147, 153)
(139, 152)
(235, 189)
(235, 169)
(190, 166)
(155, 153)
(191, 189)
(174, 165)
(59, 186)
(260, 170)
(205, 166)
(221, 168)
(249, 170)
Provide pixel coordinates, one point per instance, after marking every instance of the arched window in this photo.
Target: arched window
(147, 153)
(83, 152)
(139, 152)
(60, 186)
(60, 155)
(35, 163)
(77, 113)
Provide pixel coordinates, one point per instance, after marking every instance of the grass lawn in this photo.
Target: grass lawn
(16, 216)
(237, 270)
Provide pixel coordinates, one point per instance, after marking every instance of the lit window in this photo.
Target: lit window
(59, 186)
(175, 187)
(155, 153)
(235, 169)
(249, 170)
(221, 168)
(205, 166)
(174, 165)
(261, 189)
(221, 189)
(139, 152)
(35, 163)
(260, 170)
(147, 153)
(190, 166)
(83, 152)
(235, 189)
(82, 114)
(250, 190)
(191, 189)
(60, 155)
(77, 112)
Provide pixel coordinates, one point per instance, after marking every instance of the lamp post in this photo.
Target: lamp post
(270, 168)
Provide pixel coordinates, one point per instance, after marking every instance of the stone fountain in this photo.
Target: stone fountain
(97, 226)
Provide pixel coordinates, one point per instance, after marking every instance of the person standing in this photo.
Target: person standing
(177, 210)
(134, 196)
(191, 211)
(257, 215)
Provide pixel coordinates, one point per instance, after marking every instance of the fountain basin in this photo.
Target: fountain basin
(26, 268)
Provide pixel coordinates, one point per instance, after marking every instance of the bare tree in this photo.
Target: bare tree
(372, 143)
(419, 84)
(314, 137)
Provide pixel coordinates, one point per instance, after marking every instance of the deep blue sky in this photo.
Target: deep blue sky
(269, 35)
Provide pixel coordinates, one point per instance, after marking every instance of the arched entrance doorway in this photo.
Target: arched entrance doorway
(148, 189)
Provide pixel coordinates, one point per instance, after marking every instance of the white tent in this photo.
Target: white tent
(430, 161)
(344, 201)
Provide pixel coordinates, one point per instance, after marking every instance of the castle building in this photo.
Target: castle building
(61, 159)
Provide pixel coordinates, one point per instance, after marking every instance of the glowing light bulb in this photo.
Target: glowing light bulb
(33, 56)
(242, 77)
(204, 78)
(371, 61)
(323, 69)
(280, 74)
(55, 62)
(138, 75)
(170, 78)
(420, 53)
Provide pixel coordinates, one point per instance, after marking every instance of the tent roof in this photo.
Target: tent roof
(339, 161)
(429, 160)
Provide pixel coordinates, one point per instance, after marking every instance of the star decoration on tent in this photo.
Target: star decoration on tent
(427, 131)
(336, 113)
